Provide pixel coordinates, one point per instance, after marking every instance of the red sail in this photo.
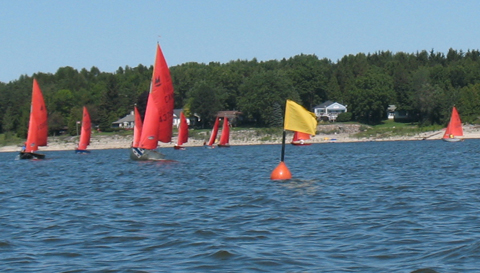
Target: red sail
(454, 127)
(297, 136)
(213, 136)
(137, 130)
(86, 131)
(38, 125)
(225, 137)
(182, 130)
(158, 122)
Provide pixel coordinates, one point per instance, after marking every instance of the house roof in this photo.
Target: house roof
(228, 114)
(391, 107)
(325, 104)
(127, 118)
(176, 113)
(330, 105)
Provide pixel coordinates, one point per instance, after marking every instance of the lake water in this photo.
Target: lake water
(351, 207)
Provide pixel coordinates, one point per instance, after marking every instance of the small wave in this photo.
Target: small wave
(222, 255)
(205, 233)
(122, 239)
(5, 244)
(64, 254)
(424, 270)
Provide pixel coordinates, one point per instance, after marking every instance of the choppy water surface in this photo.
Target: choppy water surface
(351, 207)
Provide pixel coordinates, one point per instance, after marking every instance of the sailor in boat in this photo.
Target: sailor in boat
(451, 136)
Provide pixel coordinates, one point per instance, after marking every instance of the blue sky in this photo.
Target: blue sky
(42, 36)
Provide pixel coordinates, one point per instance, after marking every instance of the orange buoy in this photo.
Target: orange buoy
(281, 172)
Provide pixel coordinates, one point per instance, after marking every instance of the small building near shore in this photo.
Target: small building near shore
(127, 122)
(234, 117)
(329, 110)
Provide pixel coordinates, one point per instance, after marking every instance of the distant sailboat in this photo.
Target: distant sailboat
(182, 133)
(213, 134)
(158, 121)
(454, 128)
(37, 126)
(225, 136)
(85, 133)
(299, 139)
(137, 129)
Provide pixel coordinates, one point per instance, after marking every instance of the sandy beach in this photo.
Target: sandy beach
(242, 137)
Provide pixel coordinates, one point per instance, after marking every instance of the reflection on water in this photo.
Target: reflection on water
(351, 207)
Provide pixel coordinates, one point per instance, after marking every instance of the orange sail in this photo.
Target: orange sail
(299, 138)
(38, 124)
(182, 130)
(137, 130)
(158, 122)
(214, 133)
(225, 137)
(86, 131)
(454, 127)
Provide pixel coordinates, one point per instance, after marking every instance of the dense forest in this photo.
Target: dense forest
(426, 84)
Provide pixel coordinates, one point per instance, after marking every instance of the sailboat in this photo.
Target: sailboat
(299, 139)
(85, 133)
(454, 128)
(213, 134)
(158, 121)
(137, 129)
(182, 133)
(225, 137)
(37, 126)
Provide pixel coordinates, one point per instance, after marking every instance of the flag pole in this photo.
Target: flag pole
(281, 172)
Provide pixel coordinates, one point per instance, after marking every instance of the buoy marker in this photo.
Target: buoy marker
(281, 172)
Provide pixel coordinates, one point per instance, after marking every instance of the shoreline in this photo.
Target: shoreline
(238, 138)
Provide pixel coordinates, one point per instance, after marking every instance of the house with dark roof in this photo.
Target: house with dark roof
(176, 118)
(329, 110)
(391, 111)
(127, 122)
(233, 116)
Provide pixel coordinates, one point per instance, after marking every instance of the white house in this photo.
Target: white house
(176, 118)
(128, 121)
(391, 111)
(329, 110)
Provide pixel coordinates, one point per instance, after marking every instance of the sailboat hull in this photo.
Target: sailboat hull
(223, 145)
(139, 154)
(452, 139)
(176, 147)
(26, 155)
(300, 143)
(78, 151)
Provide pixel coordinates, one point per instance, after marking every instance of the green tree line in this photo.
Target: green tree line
(426, 84)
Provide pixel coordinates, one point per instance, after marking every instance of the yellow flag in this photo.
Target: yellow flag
(299, 119)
